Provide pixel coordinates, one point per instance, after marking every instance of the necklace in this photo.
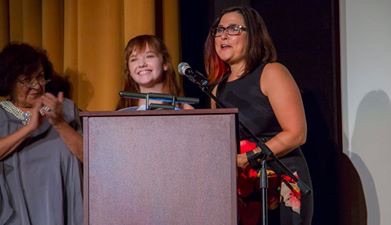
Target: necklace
(11, 108)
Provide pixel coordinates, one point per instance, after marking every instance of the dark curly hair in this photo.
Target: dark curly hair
(18, 59)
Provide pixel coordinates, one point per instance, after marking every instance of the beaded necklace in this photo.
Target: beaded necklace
(11, 108)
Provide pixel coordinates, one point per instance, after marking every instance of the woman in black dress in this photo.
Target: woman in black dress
(241, 60)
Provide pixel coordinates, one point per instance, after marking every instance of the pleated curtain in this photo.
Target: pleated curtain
(85, 39)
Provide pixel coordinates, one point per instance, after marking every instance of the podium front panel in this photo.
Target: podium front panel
(172, 169)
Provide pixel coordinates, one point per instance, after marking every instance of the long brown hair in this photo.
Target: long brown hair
(260, 48)
(140, 43)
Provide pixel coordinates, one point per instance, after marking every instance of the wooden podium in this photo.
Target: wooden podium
(160, 167)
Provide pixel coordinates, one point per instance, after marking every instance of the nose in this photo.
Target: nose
(34, 83)
(224, 35)
(142, 63)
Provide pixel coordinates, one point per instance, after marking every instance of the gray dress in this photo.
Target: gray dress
(41, 181)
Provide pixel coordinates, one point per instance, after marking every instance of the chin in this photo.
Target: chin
(224, 58)
(31, 102)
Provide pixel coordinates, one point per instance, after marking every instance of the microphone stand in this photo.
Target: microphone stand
(278, 167)
(174, 100)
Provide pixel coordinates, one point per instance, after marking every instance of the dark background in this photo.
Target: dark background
(306, 35)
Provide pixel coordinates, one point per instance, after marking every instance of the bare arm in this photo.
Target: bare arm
(9, 143)
(278, 84)
(71, 137)
(285, 99)
(212, 102)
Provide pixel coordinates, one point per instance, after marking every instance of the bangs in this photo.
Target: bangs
(141, 45)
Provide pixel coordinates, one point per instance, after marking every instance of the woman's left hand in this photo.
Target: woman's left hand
(53, 107)
(241, 161)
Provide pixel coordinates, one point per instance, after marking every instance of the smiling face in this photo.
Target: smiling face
(231, 48)
(146, 67)
(28, 89)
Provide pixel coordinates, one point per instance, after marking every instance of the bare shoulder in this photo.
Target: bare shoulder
(274, 76)
(275, 69)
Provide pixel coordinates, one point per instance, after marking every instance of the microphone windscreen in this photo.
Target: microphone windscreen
(182, 67)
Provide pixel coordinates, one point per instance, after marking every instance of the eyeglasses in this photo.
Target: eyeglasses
(232, 30)
(30, 83)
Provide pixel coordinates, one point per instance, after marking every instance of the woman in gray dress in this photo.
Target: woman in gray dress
(40, 144)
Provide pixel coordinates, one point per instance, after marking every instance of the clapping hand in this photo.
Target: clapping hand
(52, 107)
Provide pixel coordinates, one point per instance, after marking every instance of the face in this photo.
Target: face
(28, 89)
(231, 48)
(146, 68)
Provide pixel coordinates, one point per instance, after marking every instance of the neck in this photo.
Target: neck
(22, 107)
(158, 88)
(236, 71)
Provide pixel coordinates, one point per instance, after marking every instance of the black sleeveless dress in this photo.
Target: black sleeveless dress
(255, 113)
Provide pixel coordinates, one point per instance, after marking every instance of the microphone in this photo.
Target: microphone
(193, 75)
(159, 97)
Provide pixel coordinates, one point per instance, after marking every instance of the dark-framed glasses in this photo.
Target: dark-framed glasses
(232, 30)
(30, 83)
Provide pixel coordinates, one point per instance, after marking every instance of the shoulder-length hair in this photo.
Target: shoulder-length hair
(139, 43)
(260, 47)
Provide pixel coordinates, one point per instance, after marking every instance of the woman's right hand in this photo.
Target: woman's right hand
(35, 117)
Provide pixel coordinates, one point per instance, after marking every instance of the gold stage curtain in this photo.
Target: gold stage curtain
(85, 39)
